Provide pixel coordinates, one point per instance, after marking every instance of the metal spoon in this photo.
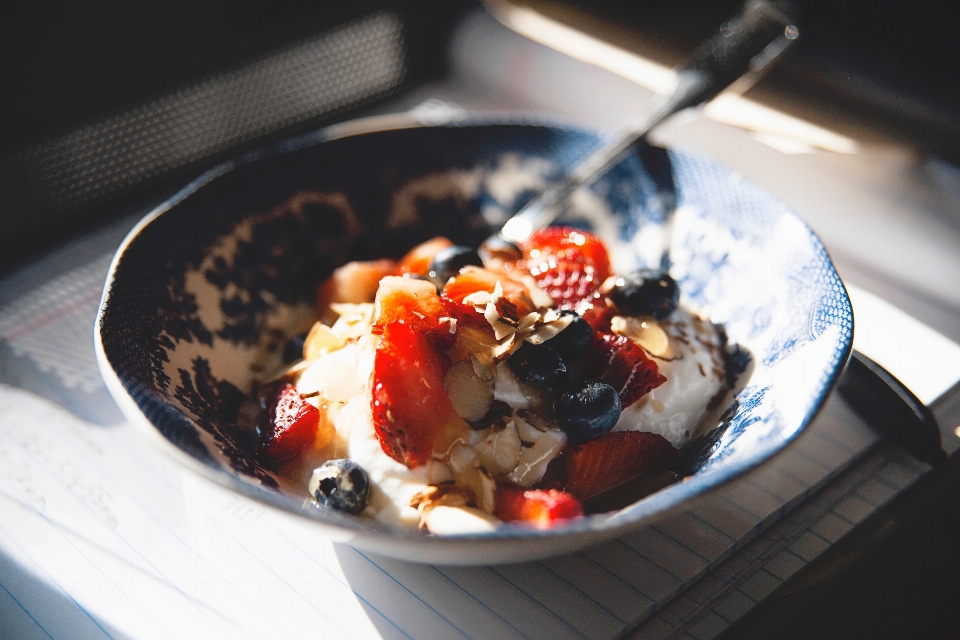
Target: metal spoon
(742, 49)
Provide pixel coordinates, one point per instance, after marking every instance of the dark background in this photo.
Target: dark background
(886, 68)
(65, 62)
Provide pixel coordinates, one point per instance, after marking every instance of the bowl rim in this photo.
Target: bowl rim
(351, 529)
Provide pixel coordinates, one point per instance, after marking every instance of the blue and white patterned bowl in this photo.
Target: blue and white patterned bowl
(206, 289)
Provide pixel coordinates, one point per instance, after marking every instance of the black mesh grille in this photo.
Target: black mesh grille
(44, 183)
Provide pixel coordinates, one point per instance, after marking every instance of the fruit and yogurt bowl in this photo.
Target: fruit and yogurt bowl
(204, 294)
(453, 392)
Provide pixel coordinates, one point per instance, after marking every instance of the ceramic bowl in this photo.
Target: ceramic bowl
(204, 292)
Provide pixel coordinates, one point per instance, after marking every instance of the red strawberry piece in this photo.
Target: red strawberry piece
(516, 298)
(623, 364)
(599, 315)
(613, 458)
(412, 413)
(291, 427)
(537, 507)
(569, 264)
(416, 304)
(417, 260)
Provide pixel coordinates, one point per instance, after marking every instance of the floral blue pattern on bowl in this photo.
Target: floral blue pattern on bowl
(206, 290)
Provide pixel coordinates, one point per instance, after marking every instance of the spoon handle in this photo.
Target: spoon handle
(746, 44)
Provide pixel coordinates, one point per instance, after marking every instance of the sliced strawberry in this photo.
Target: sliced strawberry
(569, 264)
(417, 260)
(515, 301)
(613, 458)
(620, 362)
(291, 427)
(537, 507)
(412, 413)
(415, 303)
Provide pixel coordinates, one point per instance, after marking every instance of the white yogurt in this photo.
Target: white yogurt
(340, 382)
(693, 367)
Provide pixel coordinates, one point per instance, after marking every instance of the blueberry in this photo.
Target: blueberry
(574, 340)
(588, 410)
(538, 363)
(341, 485)
(448, 261)
(646, 292)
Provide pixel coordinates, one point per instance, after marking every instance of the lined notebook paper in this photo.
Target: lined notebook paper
(103, 536)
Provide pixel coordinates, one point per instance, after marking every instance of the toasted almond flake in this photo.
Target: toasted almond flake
(506, 388)
(453, 325)
(645, 331)
(534, 460)
(528, 321)
(499, 451)
(500, 329)
(548, 330)
(461, 458)
(469, 394)
(483, 369)
(442, 494)
(552, 315)
(506, 347)
(443, 320)
(497, 292)
(478, 298)
(354, 321)
(321, 339)
(527, 431)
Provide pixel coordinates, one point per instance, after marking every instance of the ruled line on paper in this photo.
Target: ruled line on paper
(651, 567)
(45, 462)
(18, 622)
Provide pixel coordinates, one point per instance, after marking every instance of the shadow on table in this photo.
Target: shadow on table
(31, 607)
(21, 371)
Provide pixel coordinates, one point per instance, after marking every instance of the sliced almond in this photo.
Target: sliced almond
(320, 340)
(527, 322)
(528, 432)
(534, 460)
(645, 331)
(461, 458)
(474, 341)
(470, 395)
(506, 388)
(355, 319)
(499, 451)
(478, 298)
(509, 344)
(483, 368)
(549, 329)
(500, 329)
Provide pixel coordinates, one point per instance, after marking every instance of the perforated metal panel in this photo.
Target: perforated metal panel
(45, 183)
